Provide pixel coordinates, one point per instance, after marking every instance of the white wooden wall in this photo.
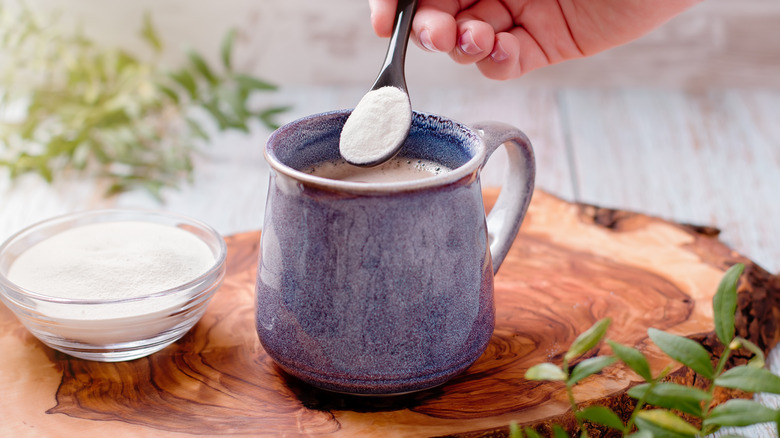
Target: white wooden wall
(315, 42)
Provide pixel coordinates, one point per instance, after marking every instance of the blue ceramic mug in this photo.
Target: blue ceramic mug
(385, 288)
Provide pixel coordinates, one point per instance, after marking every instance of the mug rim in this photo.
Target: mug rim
(456, 174)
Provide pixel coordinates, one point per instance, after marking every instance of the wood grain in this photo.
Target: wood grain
(571, 265)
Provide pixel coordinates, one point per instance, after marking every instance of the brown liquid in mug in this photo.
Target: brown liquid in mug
(394, 170)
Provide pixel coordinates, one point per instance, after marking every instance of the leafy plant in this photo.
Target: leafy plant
(67, 103)
(670, 402)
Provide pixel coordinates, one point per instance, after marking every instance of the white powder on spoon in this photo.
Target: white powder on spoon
(378, 124)
(111, 260)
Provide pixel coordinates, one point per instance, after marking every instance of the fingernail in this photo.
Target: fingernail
(425, 40)
(467, 43)
(499, 54)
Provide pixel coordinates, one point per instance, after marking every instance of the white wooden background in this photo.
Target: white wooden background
(723, 43)
(682, 124)
(710, 158)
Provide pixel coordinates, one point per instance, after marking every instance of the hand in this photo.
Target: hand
(507, 38)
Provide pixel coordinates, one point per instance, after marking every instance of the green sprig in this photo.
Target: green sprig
(670, 400)
(68, 103)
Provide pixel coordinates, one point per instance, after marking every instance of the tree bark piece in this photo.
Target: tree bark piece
(570, 266)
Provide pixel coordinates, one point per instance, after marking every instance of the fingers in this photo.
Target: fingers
(434, 28)
(382, 16)
(487, 19)
(503, 62)
(481, 33)
(474, 42)
(515, 53)
(492, 12)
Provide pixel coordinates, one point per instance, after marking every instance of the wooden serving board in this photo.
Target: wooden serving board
(570, 266)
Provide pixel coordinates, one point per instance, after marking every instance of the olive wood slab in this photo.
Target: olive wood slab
(571, 265)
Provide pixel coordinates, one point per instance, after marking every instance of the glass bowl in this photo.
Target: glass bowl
(111, 330)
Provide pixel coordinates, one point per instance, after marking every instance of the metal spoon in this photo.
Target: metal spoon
(379, 124)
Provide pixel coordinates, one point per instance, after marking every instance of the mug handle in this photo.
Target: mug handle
(507, 214)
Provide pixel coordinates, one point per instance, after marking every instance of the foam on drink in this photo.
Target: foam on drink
(395, 170)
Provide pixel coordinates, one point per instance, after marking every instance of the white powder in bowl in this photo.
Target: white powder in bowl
(111, 260)
(377, 125)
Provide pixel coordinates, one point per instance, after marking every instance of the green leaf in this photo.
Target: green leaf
(739, 413)
(223, 121)
(61, 146)
(237, 105)
(514, 430)
(671, 396)
(113, 119)
(117, 188)
(169, 92)
(227, 49)
(686, 351)
(545, 371)
(196, 130)
(588, 339)
(530, 433)
(633, 358)
(588, 367)
(202, 67)
(601, 415)
(558, 432)
(665, 421)
(267, 115)
(758, 360)
(750, 379)
(28, 128)
(45, 171)
(724, 304)
(185, 79)
(251, 83)
(149, 33)
(124, 61)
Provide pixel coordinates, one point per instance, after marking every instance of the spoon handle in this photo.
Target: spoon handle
(392, 72)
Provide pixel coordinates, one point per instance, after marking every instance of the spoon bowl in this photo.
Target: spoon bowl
(379, 124)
